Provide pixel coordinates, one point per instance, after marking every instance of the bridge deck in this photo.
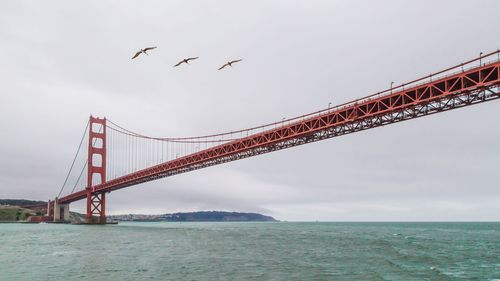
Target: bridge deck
(476, 85)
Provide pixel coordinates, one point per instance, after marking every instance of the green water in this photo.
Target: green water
(251, 251)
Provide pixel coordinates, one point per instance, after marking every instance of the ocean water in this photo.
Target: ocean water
(251, 251)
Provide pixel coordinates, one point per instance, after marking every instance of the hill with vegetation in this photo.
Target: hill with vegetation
(21, 202)
(203, 216)
(14, 213)
(12, 210)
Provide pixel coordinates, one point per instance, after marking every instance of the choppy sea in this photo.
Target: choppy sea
(251, 251)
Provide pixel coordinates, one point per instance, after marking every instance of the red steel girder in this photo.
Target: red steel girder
(473, 86)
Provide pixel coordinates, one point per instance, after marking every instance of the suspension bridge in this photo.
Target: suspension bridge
(117, 158)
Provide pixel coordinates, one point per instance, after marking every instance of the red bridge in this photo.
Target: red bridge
(118, 158)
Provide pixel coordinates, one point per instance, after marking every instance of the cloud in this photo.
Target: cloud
(61, 63)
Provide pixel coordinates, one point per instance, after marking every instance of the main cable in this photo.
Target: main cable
(84, 166)
(74, 159)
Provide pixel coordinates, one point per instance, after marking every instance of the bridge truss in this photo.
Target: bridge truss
(128, 158)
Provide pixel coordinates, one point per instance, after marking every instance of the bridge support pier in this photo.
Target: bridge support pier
(61, 212)
(96, 208)
(50, 211)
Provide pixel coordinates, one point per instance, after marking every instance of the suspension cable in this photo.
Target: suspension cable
(177, 140)
(143, 150)
(86, 163)
(377, 94)
(74, 159)
(81, 173)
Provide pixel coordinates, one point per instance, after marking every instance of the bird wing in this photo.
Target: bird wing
(149, 48)
(234, 61)
(179, 63)
(136, 55)
(224, 65)
(188, 59)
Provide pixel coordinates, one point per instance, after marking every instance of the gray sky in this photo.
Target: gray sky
(62, 61)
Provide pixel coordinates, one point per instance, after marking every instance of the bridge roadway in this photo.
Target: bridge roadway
(472, 86)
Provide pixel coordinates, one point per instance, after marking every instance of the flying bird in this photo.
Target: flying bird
(229, 63)
(185, 61)
(143, 51)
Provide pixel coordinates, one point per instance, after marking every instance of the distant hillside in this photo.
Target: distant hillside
(14, 213)
(20, 202)
(75, 217)
(11, 210)
(207, 216)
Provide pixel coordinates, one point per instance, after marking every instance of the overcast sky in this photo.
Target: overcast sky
(61, 61)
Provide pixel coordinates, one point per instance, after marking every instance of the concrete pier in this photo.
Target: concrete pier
(61, 212)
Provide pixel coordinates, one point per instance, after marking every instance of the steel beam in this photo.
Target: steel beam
(476, 85)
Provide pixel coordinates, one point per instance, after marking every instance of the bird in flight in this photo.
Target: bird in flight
(185, 61)
(143, 51)
(229, 63)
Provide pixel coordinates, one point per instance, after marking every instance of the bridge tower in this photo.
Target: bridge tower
(96, 202)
